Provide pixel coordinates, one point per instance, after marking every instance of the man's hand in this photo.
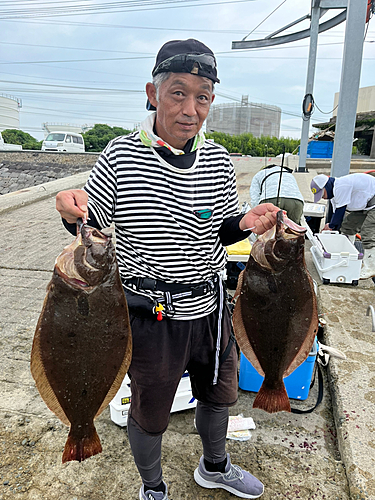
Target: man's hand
(326, 228)
(260, 218)
(72, 204)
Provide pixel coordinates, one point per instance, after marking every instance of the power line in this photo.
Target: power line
(152, 57)
(83, 115)
(122, 26)
(269, 15)
(167, 4)
(79, 81)
(86, 89)
(79, 60)
(72, 48)
(261, 49)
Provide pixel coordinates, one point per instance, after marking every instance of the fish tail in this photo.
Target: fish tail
(81, 447)
(272, 399)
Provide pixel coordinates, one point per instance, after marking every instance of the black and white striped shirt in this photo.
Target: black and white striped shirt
(152, 205)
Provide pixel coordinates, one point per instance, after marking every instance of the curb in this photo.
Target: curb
(27, 196)
(355, 475)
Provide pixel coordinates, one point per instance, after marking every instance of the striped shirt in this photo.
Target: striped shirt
(152, 205)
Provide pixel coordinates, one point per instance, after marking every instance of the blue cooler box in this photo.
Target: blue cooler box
(297, 384)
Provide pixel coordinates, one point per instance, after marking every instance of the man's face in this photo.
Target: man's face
(184, 103)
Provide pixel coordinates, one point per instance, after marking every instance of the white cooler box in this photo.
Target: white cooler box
(336, 259)
(120, 404)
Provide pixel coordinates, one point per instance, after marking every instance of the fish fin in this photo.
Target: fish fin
(243, 339)
(272, 400)
(119, 377)
(81, 448)
(239, 284)
(41, 381)
(307, 343)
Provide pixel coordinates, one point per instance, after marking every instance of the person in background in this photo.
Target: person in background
(273, 180)
(353, 202)
(172, 197)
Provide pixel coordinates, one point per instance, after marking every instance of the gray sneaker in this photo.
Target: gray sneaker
(234, 479)
(153, 495)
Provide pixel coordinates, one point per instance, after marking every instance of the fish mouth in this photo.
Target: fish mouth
(284, 229)
(76, 265)
(92, 235)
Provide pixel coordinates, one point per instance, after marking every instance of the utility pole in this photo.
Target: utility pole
(350, 79)
(314, 32)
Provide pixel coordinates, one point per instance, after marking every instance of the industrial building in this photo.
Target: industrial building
(244, 117)
(366, 100)
(9, 112)
(365, 117)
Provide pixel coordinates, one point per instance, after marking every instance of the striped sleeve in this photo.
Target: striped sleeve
(101, 187)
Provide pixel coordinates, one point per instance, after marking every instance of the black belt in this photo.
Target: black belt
(188, 290)
(178, 291)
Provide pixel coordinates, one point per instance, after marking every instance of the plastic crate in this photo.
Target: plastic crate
(297, 384)
(320, 149)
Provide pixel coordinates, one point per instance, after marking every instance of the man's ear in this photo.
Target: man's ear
(213, 97)
(151, 93)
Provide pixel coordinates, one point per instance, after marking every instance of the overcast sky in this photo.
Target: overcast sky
(91, 64)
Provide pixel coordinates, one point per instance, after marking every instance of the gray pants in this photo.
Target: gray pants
(363, 222)
(211, 422)
(293, 207)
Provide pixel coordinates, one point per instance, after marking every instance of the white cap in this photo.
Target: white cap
(317, 185)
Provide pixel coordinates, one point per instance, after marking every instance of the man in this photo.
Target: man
(277, 185)
(172, 197)
(354, 194)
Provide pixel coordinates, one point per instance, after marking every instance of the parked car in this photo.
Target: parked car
(9, 147)
(67, 142)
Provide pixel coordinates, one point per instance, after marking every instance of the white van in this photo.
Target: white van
(4, 146)
(68, 142)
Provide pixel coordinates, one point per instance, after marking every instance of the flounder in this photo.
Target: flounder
(82, 344)
(275, 318)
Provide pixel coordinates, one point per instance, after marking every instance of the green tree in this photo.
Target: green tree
(247, 144)
(99, 136)
(14, 136)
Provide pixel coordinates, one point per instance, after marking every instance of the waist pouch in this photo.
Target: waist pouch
(144, 306)
(139, 305)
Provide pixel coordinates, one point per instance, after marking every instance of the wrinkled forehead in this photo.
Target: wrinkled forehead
(185, 79)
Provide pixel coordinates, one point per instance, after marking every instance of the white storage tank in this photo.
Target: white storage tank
(244, 117)
(9, 112)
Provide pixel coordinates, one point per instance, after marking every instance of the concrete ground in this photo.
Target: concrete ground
(327, 454)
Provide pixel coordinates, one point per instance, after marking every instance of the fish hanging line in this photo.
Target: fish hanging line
(281, 173)
(282, 168)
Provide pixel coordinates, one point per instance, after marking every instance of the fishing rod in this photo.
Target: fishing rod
(281, 173)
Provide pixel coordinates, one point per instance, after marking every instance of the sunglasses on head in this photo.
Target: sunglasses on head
(187, 63)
